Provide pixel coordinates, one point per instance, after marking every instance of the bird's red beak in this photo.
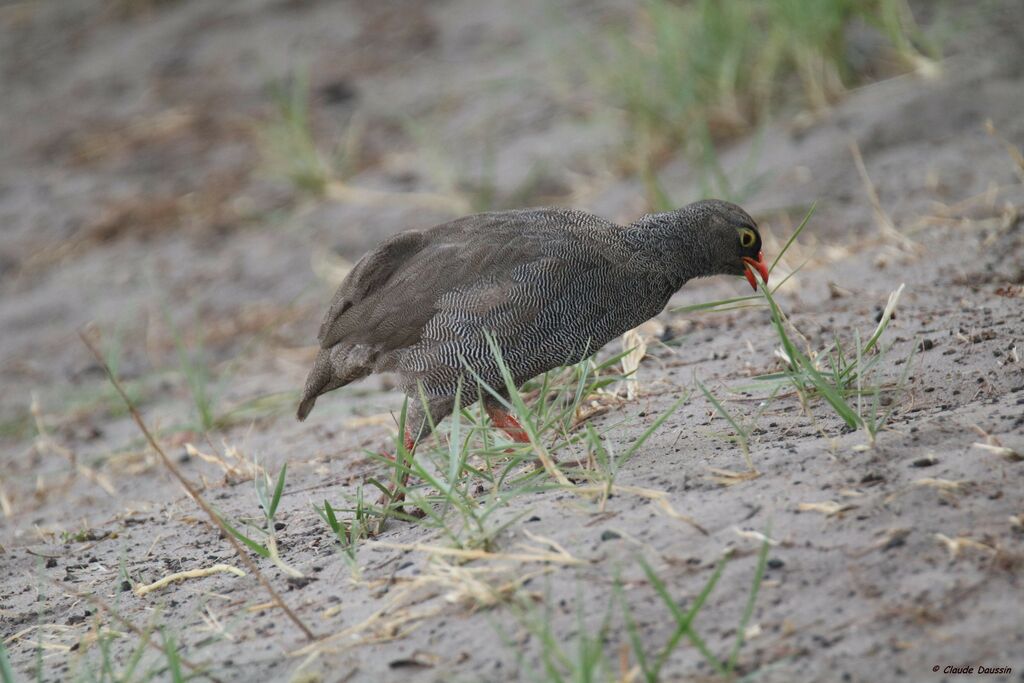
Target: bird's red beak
(761, 267)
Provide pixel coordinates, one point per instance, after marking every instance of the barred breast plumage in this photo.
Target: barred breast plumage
(551, 286)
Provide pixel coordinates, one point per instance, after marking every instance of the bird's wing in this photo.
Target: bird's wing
(367, 277)
(551, 297)
(395, 290)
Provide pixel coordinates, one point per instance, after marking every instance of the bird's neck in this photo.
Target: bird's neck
(660, 246)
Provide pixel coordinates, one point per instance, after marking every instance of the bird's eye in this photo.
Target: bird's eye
(747, 238)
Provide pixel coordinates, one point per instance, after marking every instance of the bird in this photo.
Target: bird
(546, 286)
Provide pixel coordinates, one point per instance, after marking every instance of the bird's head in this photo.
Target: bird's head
(735, 243)
(711, 237)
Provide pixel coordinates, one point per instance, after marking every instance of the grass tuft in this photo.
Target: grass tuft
(845, 377)
(287, 142)
(688, 74)
(268, 501)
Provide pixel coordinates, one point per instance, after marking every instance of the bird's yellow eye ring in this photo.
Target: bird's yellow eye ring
(747, 238)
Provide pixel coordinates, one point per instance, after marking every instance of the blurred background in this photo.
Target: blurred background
(195, 178)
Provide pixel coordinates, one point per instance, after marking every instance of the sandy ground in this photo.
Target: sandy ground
(133, 199)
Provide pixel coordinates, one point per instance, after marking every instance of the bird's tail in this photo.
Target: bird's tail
(319, 381)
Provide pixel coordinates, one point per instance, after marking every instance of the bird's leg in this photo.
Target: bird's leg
(506, 422)
(419, 423)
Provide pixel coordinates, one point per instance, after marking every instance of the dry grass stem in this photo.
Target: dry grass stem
(234, 465)
(757, 536)
(329, 267)
(636, 348)
(189, 574)
(829, 508)
(956, 545)
(886, 226)
(477, 587)
(941, 484)
(470, 554)
(725, 477)
(378, 420)
(46, 444)
(994, 445)
(1011, 149)
(379, 627)
(659, 498)
(1008, 453)
(634, 344)
(275, 557)
(5, 501)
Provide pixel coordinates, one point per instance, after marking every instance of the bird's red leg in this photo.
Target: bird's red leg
(504, 421)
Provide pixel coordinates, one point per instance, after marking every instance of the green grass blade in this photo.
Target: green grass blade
(634, 633)
(107, 667)
(526, 417)
(741, 433)
(684, 621)
(173, 658)
(650, 430)
(252, 545)
(658, 197)
(796, 270)
(128, 671)
(890, 307)
(6, 672)
(278, 490)
(330, 518)
(805, 367)
(715, 304)
(792, 238)
(748, 610)
(456, 452)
